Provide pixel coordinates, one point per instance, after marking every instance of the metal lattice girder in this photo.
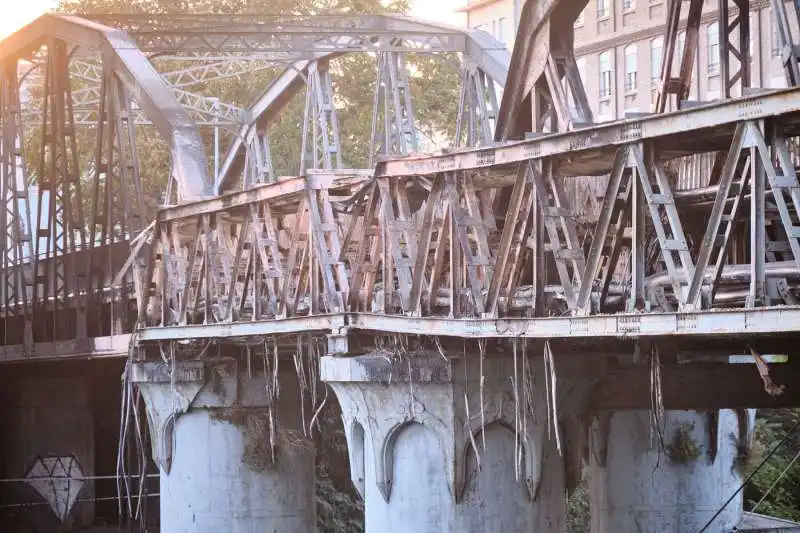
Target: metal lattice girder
(543, 55)
(479, 48)
(394, 131)
(258, 162)
(60, 225)
(477, 106)
(327, 247)
(281, 35)
(204, 109)
(320, 144)
(365, 234)
(609, 234)
(470, 233)
(278, 258)
(516, 227)
(790, 52)
(734, 49)
(561, 237)
(142, 80)
(417, 234)
(660, 201)
(15, 216)
(560, 77)
(231, 67)
(668, 84)
(117, 199)
(733, 181)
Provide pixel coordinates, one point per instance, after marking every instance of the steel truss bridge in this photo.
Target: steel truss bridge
(481, 240)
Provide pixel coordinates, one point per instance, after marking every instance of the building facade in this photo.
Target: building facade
(619, 46)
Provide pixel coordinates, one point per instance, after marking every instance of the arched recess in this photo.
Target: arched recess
(385, 462)
(491, 470)
(357, 455)
(139, 76)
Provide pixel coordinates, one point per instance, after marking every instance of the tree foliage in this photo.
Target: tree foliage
(783, 500)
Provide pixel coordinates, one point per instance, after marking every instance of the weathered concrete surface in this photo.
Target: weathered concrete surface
(48, 420)
(215, 457)
(427, 461)
(642, 490)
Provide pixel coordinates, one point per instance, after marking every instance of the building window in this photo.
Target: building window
(630, 68)
(580, 18)
(713, 48)
(605, 74)
(628, 5)
(681, 43)
(603, 10)
(656, 55)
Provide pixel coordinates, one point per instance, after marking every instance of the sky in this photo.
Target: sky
(20, 12)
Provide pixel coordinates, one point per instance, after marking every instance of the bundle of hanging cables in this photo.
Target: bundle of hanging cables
(131, 428)
(789, 434)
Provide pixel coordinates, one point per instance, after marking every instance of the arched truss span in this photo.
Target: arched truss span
(139, 77)
(310, 43)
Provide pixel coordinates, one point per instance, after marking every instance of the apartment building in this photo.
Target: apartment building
(619, 46)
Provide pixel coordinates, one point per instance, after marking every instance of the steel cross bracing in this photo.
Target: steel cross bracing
(228, 47)
(72, 245)
(418, 247)
(479, 242)
(290, 38)
(72, 205)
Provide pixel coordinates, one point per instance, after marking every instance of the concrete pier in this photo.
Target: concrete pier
(427, 458)
(639, 486)
(222, 466)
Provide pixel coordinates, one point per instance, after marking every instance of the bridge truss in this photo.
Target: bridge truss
(78, 93)
(487, 240)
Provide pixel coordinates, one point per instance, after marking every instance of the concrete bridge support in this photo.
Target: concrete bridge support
(223, 468)
(427, 458)
(638, 485)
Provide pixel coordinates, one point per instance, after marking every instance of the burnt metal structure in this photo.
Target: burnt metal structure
(73, 243)
(480, 241)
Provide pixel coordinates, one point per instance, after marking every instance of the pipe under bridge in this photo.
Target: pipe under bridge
(486, 335)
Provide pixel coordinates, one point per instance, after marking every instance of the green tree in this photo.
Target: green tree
(784, 499)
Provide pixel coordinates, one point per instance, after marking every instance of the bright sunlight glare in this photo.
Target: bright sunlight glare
(17, 13)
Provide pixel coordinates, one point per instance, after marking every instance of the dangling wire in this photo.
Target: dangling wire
(552, 398)
(657, 415)
(517, 436)
(482, 350)
(301, 378)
